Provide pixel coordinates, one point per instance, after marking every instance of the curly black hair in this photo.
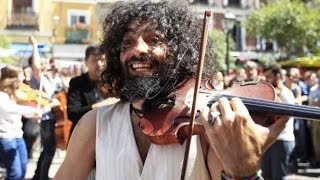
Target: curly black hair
(181, 29)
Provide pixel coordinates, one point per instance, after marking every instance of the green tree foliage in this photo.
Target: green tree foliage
(9, 60)
(291, 23)
(218, 40)
(316, 4)
(5, 43)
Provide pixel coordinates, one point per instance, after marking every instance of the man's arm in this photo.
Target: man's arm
(313, 98)
(298, 98)
(80, 155)
(36, 60)
(236, 141)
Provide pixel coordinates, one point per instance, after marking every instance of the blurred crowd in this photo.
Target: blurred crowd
(304, 86)
(43, 101)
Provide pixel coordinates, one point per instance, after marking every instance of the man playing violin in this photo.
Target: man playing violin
(151, 48)
(40, 81)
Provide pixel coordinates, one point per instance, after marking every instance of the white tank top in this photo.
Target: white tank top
(118, 158)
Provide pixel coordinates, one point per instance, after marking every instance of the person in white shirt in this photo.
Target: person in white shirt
(40, 80)
(275, 160)
(314, 100)
(13, 151)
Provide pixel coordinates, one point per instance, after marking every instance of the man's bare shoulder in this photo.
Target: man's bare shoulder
(86, 127)
(84, 134)
(88, 118)
(80, 155)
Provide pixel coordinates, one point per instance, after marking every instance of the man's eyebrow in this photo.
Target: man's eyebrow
(144, 30)
(130, 30)
(150, 28)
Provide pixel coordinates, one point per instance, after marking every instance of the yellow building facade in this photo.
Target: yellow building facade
(50, 21)
(77, 21)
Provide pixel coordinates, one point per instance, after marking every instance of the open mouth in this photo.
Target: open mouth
(141, 68)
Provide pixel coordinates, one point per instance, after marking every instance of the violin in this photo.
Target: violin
(26, 95)
(168, 123)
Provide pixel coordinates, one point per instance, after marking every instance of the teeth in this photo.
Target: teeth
(140, 65)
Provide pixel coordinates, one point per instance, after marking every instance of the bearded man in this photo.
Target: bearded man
(151, 47)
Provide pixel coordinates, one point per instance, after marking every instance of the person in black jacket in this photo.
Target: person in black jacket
(83, 94)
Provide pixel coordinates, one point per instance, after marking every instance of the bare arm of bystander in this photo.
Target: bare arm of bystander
(36, 60)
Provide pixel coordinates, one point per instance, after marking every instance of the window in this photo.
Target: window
(78, 16)
(235, 3)
(199, 1)
(22, 6)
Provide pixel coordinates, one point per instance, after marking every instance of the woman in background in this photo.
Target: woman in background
(13, 152)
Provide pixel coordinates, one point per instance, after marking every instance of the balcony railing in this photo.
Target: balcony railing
(78, 34)
(23, 21)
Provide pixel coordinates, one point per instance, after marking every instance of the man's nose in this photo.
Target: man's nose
(101, 63)
(141, 48)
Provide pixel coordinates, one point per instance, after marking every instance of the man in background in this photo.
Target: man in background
(83, 94)
(40, 81)
(251, 69)
(275, 160)
(314, 100)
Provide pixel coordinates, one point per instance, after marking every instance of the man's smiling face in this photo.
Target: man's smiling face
(143, 61)
(143, 49)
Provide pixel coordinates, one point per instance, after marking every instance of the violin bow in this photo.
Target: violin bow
(203, 45)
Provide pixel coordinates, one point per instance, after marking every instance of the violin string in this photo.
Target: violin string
(269, 103)
(281, 111)
(266, 106)
(283, 106)
(286, 109)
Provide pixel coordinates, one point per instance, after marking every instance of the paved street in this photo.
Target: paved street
(308, 174)
(303, 174)
(32, 165)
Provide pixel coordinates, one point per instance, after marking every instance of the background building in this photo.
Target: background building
(66, 27)
(60, 26)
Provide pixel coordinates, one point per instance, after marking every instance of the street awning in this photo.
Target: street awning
(244, 56)
(70, 51)
(25, 49)
(306, 62)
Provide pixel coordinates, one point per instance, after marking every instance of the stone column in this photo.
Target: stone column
(35, 6)
(9, 9)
